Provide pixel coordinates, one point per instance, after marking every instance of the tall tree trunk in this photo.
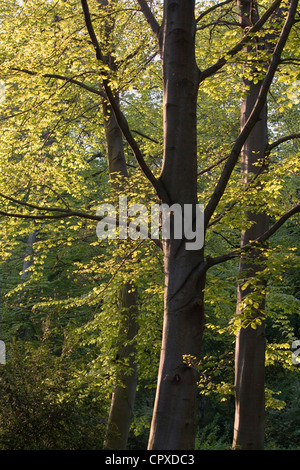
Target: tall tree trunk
(123, 396)
(173, 422)
(114, 145)
(250, 342)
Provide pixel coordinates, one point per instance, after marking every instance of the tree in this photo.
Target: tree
(250, 343)
(173, 418)
(123, 395)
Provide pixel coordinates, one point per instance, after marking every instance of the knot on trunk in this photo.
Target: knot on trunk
(179, 375)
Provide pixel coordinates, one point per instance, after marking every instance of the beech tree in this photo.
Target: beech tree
(84, 63)
(123, 395)
(251, 340)
(250, 344)
(173, 424)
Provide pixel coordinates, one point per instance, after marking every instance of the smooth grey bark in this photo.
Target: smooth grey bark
(173, 422)
(250, 342)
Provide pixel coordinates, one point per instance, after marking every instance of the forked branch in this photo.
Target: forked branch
(121, 119)
(150, 17)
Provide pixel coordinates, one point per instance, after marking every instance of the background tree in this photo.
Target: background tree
(250, 344)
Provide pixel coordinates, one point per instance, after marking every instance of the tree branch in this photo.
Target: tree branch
(209, 10)
(254, 29)
(66, 79)
(123, 124)
(63, 213)
(121, 119)
(281, 141)
(206, 170)
(150, 17)
(253, 117)
(45, 216)
(210, 262)
(218, 23)
(96, 155)
(91, 31)
(145, 136)
(32, 206)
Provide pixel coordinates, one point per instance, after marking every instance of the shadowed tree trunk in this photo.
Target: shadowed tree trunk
(123, 396)
(250, 341)
(173, 423)
(124, 392)
(29, 252)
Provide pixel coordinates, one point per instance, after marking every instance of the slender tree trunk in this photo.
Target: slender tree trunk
(123, 396)
(114, 145)
(250, 342)
(250, 357)
(173, 422)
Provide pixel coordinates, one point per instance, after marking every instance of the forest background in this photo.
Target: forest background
(81, 317)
